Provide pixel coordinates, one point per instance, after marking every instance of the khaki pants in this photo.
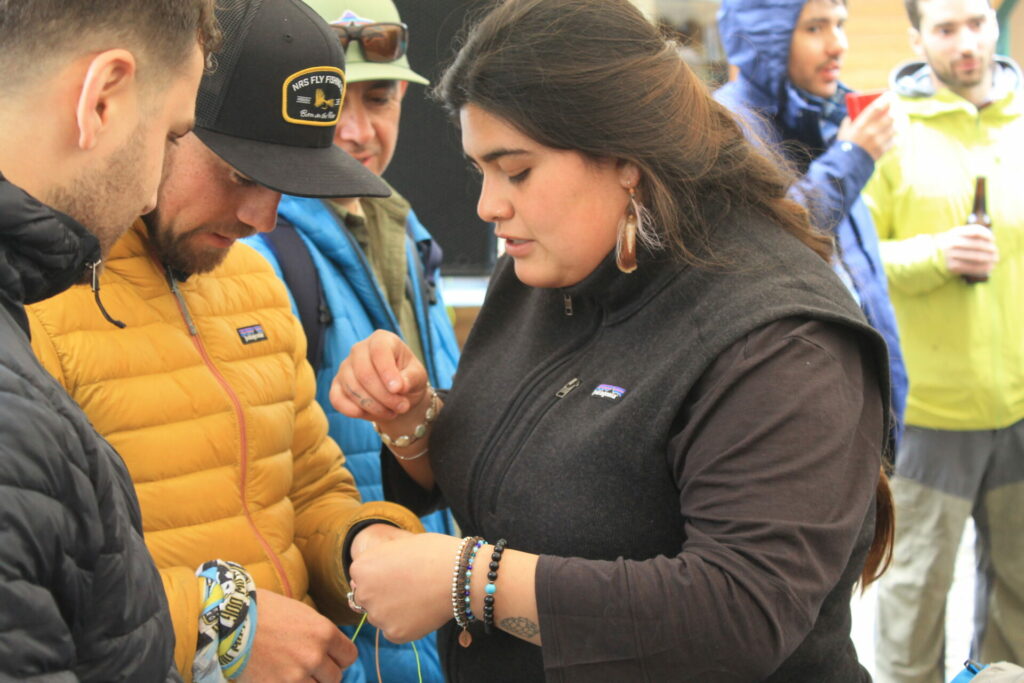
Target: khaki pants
(941, 478)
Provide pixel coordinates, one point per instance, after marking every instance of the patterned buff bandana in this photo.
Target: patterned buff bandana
(227, 624)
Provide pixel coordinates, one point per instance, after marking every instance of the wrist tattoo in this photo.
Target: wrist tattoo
(520, 626)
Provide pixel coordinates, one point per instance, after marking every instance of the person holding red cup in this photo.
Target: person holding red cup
(789, 54)
(856, 102)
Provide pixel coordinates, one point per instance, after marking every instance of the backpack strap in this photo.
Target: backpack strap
(303, 281)
(431, 255)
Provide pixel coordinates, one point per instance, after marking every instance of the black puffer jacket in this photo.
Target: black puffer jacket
(80, 598)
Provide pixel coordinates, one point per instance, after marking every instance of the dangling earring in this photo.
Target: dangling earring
(625, 243)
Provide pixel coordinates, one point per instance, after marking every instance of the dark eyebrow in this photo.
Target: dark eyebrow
(502, 152)
(952, 23)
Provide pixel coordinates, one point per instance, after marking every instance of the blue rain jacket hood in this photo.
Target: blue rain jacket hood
(756, 35)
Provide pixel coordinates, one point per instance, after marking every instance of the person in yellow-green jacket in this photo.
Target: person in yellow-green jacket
(195, 370)
(963, 451)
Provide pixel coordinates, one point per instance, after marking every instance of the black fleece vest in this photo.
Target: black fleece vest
(519, 448)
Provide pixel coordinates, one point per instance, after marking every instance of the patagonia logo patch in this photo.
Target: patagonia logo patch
(252, 334)
(608, 391)
(312, 97)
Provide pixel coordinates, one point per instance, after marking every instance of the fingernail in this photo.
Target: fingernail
(394, 385)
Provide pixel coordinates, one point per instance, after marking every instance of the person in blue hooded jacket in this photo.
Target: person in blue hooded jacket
(376, 267)
(789, 54)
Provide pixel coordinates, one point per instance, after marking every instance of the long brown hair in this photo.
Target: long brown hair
(596, 77)
(880, 553)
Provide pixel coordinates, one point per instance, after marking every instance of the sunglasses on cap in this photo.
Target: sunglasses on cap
(384, 42)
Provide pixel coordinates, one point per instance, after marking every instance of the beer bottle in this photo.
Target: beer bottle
(979, 215)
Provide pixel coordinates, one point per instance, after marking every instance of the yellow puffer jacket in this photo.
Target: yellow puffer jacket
(207, 396)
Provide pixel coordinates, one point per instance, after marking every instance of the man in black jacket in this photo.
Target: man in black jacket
(91, 93)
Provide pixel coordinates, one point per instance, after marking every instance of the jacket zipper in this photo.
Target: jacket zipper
(514, 455)
(510, 416)
(569, 386)
(240, 415)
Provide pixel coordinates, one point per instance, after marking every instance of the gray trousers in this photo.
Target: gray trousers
(941, 478)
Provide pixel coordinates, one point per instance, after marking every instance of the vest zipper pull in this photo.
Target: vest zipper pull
(567, 301)
(569, 386)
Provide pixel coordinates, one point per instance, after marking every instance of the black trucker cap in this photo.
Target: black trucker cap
(270, 106)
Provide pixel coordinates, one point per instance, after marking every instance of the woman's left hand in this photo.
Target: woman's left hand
(405, 585)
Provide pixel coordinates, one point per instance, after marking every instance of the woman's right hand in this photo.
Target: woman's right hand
(381, 381)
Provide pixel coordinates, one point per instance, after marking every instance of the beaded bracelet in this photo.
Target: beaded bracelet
(490, 588)
(419, 431)
(458, 581)
(468, 577)
(456, 584)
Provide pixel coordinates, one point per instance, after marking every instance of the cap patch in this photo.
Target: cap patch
(313, 97)
(350, 17)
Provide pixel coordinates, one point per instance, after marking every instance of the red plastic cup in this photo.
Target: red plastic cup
(856, 102)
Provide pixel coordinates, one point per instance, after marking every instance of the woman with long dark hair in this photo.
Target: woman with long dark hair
(665, 436)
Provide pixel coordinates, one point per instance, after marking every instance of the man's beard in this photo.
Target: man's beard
(97, 199)
(180, 251)
(947, 74)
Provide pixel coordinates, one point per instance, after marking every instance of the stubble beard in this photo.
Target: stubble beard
(97, 199)
(180, 251)
(947, 74)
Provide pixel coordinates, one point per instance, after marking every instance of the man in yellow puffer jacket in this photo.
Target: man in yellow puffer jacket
(194, 367)
(963, 452)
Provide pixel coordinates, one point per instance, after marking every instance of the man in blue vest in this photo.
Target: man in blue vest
(789, 54)
(355, 265)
